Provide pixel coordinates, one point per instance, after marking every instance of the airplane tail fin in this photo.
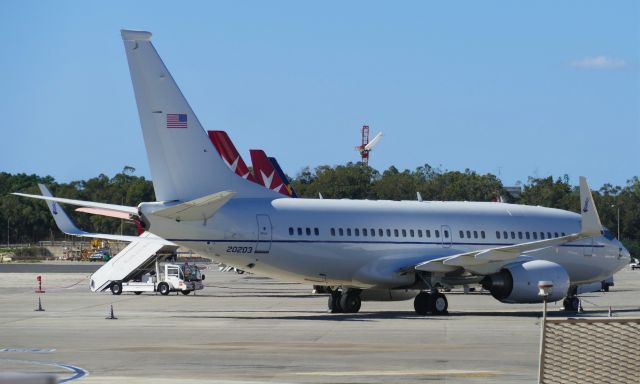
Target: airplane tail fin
(183, 161)
(230, 154)
(290, 191)
(266, 173)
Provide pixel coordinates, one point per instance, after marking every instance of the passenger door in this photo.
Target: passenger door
(264, 234)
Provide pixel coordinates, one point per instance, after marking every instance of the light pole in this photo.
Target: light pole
(617, 218)
(545, 289)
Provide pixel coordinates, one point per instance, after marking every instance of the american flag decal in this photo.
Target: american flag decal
(176, 120)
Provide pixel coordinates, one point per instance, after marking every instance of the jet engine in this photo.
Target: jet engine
(518, 283)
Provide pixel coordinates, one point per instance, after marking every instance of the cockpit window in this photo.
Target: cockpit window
(607, 234)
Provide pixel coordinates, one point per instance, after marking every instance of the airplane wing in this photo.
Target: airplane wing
(67, 226)
(491, 260)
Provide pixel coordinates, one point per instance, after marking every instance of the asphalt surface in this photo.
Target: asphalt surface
(46, 267)
(247, 329)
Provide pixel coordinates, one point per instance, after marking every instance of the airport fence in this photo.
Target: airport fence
(587, 350)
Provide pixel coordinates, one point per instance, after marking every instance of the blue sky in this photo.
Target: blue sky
(512, 88)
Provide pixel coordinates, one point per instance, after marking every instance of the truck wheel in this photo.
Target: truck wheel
(116, 288)
(163, 288)
(186, 292)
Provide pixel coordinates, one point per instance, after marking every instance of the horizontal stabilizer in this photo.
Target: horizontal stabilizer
(105, 212)
(113, 207)
(67, 226)
(199, 209)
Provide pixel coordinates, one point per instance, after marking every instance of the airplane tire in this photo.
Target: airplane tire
(163, 288)
(334, 302)
(185, 292)
(439, 304)
(116, 288)
(571, 303)
(350, 302)
(421, 303)
(138, 292)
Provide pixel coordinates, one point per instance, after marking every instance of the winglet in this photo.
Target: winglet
(591, 224)
(63, 221)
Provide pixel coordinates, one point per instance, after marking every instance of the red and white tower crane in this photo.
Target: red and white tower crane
(367, 145)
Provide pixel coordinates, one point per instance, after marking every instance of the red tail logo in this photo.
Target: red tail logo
(266, 173)
(230, 154)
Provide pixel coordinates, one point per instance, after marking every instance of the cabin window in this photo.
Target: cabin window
(498, 235)
(299, 231)
(396, 233)
(436, 233)
(357, 232)
(333, 231)
(316, 231)
(548, 235)
(520, 235)
(419, 232)
(404, 233)
(446, 233)
(556, 233)
(388, 233)
(482, 234)
(364, 231)
(348, 231)
(535, 235)
(526, 234)
(468, 234)
(462, 234)
(542, 235)
(563, 235)
(513, 235)
(340, 231)
(411, 233)
(475, 234)
(427, 232)
(380, 232)
(505, 235)
(308, 231)
(290, 230)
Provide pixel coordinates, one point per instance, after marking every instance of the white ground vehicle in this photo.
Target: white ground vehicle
(635, 264)
(164, 279)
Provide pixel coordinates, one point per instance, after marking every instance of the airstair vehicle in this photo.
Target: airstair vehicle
(143, 266)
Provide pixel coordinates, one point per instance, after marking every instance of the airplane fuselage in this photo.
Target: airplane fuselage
(366, 244)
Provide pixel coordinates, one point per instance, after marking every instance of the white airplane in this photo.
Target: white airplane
(365, 250)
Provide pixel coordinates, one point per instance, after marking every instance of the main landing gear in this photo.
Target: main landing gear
(345, 301)
(572, 301)
(431, 303)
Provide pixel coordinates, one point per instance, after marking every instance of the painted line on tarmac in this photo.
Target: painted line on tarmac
(77, 371)
(422, 372)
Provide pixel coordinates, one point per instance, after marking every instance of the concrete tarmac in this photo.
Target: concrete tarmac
(248, 329)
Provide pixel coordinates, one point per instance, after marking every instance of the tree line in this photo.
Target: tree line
(28, 220)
